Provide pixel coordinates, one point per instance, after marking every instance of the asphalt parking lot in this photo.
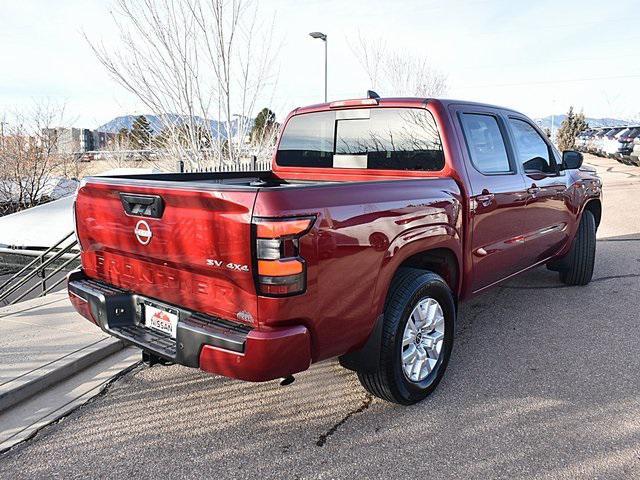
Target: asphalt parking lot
(544, 383)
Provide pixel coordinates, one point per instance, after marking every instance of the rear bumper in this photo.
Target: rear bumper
(212, 344)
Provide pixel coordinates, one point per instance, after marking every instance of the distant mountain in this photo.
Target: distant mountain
(156, 123)
(593, 122)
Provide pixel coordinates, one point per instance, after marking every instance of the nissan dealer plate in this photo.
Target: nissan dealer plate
(160, 319)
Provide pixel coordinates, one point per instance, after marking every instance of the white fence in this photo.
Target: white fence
(250, 165)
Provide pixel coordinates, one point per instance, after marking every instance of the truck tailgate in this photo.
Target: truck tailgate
(191, 248)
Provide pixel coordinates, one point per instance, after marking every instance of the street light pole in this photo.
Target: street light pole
(2, 124)
(325, 69)
(323, 37)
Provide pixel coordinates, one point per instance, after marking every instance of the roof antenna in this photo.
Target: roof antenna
(372, 94)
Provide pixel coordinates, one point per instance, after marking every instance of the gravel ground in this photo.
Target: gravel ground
(544, 382)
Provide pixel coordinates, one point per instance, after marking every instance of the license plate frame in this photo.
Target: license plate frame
(160, 318)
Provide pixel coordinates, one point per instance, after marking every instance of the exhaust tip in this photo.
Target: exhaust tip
(287, 381)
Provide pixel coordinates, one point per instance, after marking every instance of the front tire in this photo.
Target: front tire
(582, 256)
(417, 338)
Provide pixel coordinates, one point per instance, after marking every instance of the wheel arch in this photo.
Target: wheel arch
(440, 260)
(437, 249)
(595, 207)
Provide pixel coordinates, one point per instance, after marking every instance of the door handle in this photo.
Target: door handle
(485, 199)
(142, 205)
(533, 189)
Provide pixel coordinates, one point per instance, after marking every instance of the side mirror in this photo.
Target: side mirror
(571, 160)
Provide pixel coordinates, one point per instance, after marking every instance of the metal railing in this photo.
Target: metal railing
(50, 263)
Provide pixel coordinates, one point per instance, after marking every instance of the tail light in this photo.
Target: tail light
(281, 269)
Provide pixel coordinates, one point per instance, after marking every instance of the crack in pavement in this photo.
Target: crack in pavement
(322, 439)
(542, 287)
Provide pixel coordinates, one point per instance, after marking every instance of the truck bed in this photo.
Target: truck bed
(245, 180)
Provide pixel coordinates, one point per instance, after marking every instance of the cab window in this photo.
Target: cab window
(532, 151)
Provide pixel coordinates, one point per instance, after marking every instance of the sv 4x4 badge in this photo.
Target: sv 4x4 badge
(211, 262)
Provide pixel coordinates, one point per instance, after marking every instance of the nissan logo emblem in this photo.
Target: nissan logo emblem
(143, 232)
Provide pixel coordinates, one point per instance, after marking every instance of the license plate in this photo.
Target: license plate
(161, 320)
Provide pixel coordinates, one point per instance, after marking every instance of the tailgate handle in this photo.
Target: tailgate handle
(142, 205)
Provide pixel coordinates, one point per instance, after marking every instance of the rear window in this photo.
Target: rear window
(383, 138)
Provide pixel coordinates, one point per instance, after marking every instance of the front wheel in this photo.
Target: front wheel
(581, 257)
(417, 338)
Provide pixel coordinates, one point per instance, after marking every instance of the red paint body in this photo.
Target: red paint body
(368, 223)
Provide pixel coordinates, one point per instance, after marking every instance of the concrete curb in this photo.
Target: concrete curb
(23, 387)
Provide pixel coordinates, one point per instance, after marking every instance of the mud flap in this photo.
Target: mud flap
(367, 358)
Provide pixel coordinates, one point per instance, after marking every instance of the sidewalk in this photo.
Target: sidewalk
(49, 361)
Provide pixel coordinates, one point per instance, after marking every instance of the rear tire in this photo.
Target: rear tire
(582, 256)
(419, 319)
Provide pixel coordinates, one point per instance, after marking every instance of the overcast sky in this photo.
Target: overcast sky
(538, 57)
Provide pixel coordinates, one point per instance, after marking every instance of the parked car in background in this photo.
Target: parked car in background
(582, 139)
(609, 144)
(634, 157)
(625, 144)
(621, 143)
(595, 139)
(610, 141)
(590, 139)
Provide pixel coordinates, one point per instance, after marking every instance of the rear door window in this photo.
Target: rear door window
(485, 143)
(378, 138)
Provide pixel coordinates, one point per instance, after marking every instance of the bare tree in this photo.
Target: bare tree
(397, 73)
(199, 59)
(35, 155)
(119, 150)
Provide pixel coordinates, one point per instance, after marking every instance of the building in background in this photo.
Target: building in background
(102, 140)
(78, 140)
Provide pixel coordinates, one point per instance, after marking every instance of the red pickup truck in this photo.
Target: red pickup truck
(378, 217)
